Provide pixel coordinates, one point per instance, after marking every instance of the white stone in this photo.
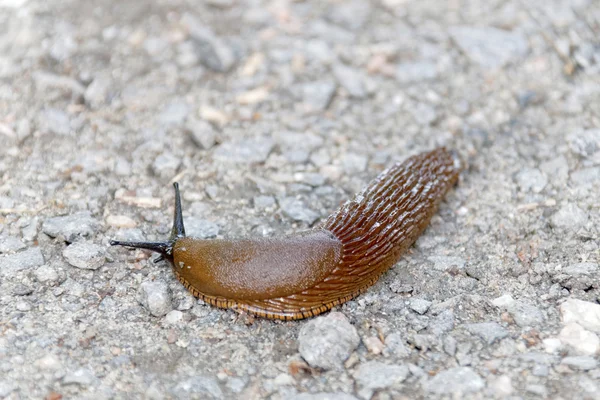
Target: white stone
(503, 301)
(584, 313)
(552, 345)
(580, 339)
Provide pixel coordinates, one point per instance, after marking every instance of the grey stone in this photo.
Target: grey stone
(82, 377)
(30, 230)
(11, 244)
(354, 163)
(213, 51)
(23, 305)
(586, 176)
(326, 342)
(443, 263)
(396, 346)
(375, 375)
(174, 114)
(410, 72)
(296, 156)
(155, 296)
(201, 228)
(419, 305)
(166, 165)
(578, 276)
(489, 47)
(539, 390)
(297, 210)
(85, 255)
(198, 387)
(30, 258)
(6, 388)
(22, 290)
(350, 79)
(310, 178)
(490, 332)
(450, 345)
(203, 134)
(351, 14)
(45, 81)
(570, 217)
(501, 387)
(585, 142)
(423, 113)
(289, 140)
(581, 312)
(558, 169)
(442, 323)
(317, 95)
(455, 381)
(96, 94)
(538, 358)
(586, 268)
(525, 314)
(540, 370)
(582, 363)
(71, 227)
(531, 179)
(262, 202)
(245, 151)
(52, 120)
(46, 273)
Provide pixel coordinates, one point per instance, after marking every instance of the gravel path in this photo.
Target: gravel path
(270, 114)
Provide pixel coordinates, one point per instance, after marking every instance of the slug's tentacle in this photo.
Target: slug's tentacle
(374, 229)
(164, 248)
(178, 230)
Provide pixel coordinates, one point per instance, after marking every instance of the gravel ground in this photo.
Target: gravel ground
(270, 114)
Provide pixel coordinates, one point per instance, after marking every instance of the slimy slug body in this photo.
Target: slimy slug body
(305, 274)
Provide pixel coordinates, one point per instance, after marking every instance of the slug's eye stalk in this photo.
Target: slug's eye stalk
(178, 230)
(164, 248)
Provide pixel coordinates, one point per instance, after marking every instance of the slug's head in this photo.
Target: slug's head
(164, 248)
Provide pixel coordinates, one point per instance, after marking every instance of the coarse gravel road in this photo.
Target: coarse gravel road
(270, 114)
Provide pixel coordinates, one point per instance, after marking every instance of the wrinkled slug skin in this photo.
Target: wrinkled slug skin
(304, 275)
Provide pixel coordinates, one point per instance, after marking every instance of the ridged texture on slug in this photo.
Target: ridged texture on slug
(375, 228)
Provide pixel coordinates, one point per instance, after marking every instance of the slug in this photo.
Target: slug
(306, 274)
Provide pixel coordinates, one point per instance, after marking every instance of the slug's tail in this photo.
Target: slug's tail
(164, 248)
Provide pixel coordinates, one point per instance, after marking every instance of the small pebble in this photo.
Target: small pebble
(11, 244)
(327, 341)
(455, 381)
(85, 255)
(26, 259)
(46, 273)
(82, 377)
(569, 217)
(173, 317)
(375, 375)
(155, 296)
(582, 363)
(198, 387)
(419, 305)
(490, 332)
(120, 221)
(579, 339)
(584, 313)
(297, 210)
(71, 227)
(373, 345)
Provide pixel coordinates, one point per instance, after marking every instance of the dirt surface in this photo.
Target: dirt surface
(270, 114)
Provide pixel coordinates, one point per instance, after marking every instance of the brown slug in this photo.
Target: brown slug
(305, 274)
